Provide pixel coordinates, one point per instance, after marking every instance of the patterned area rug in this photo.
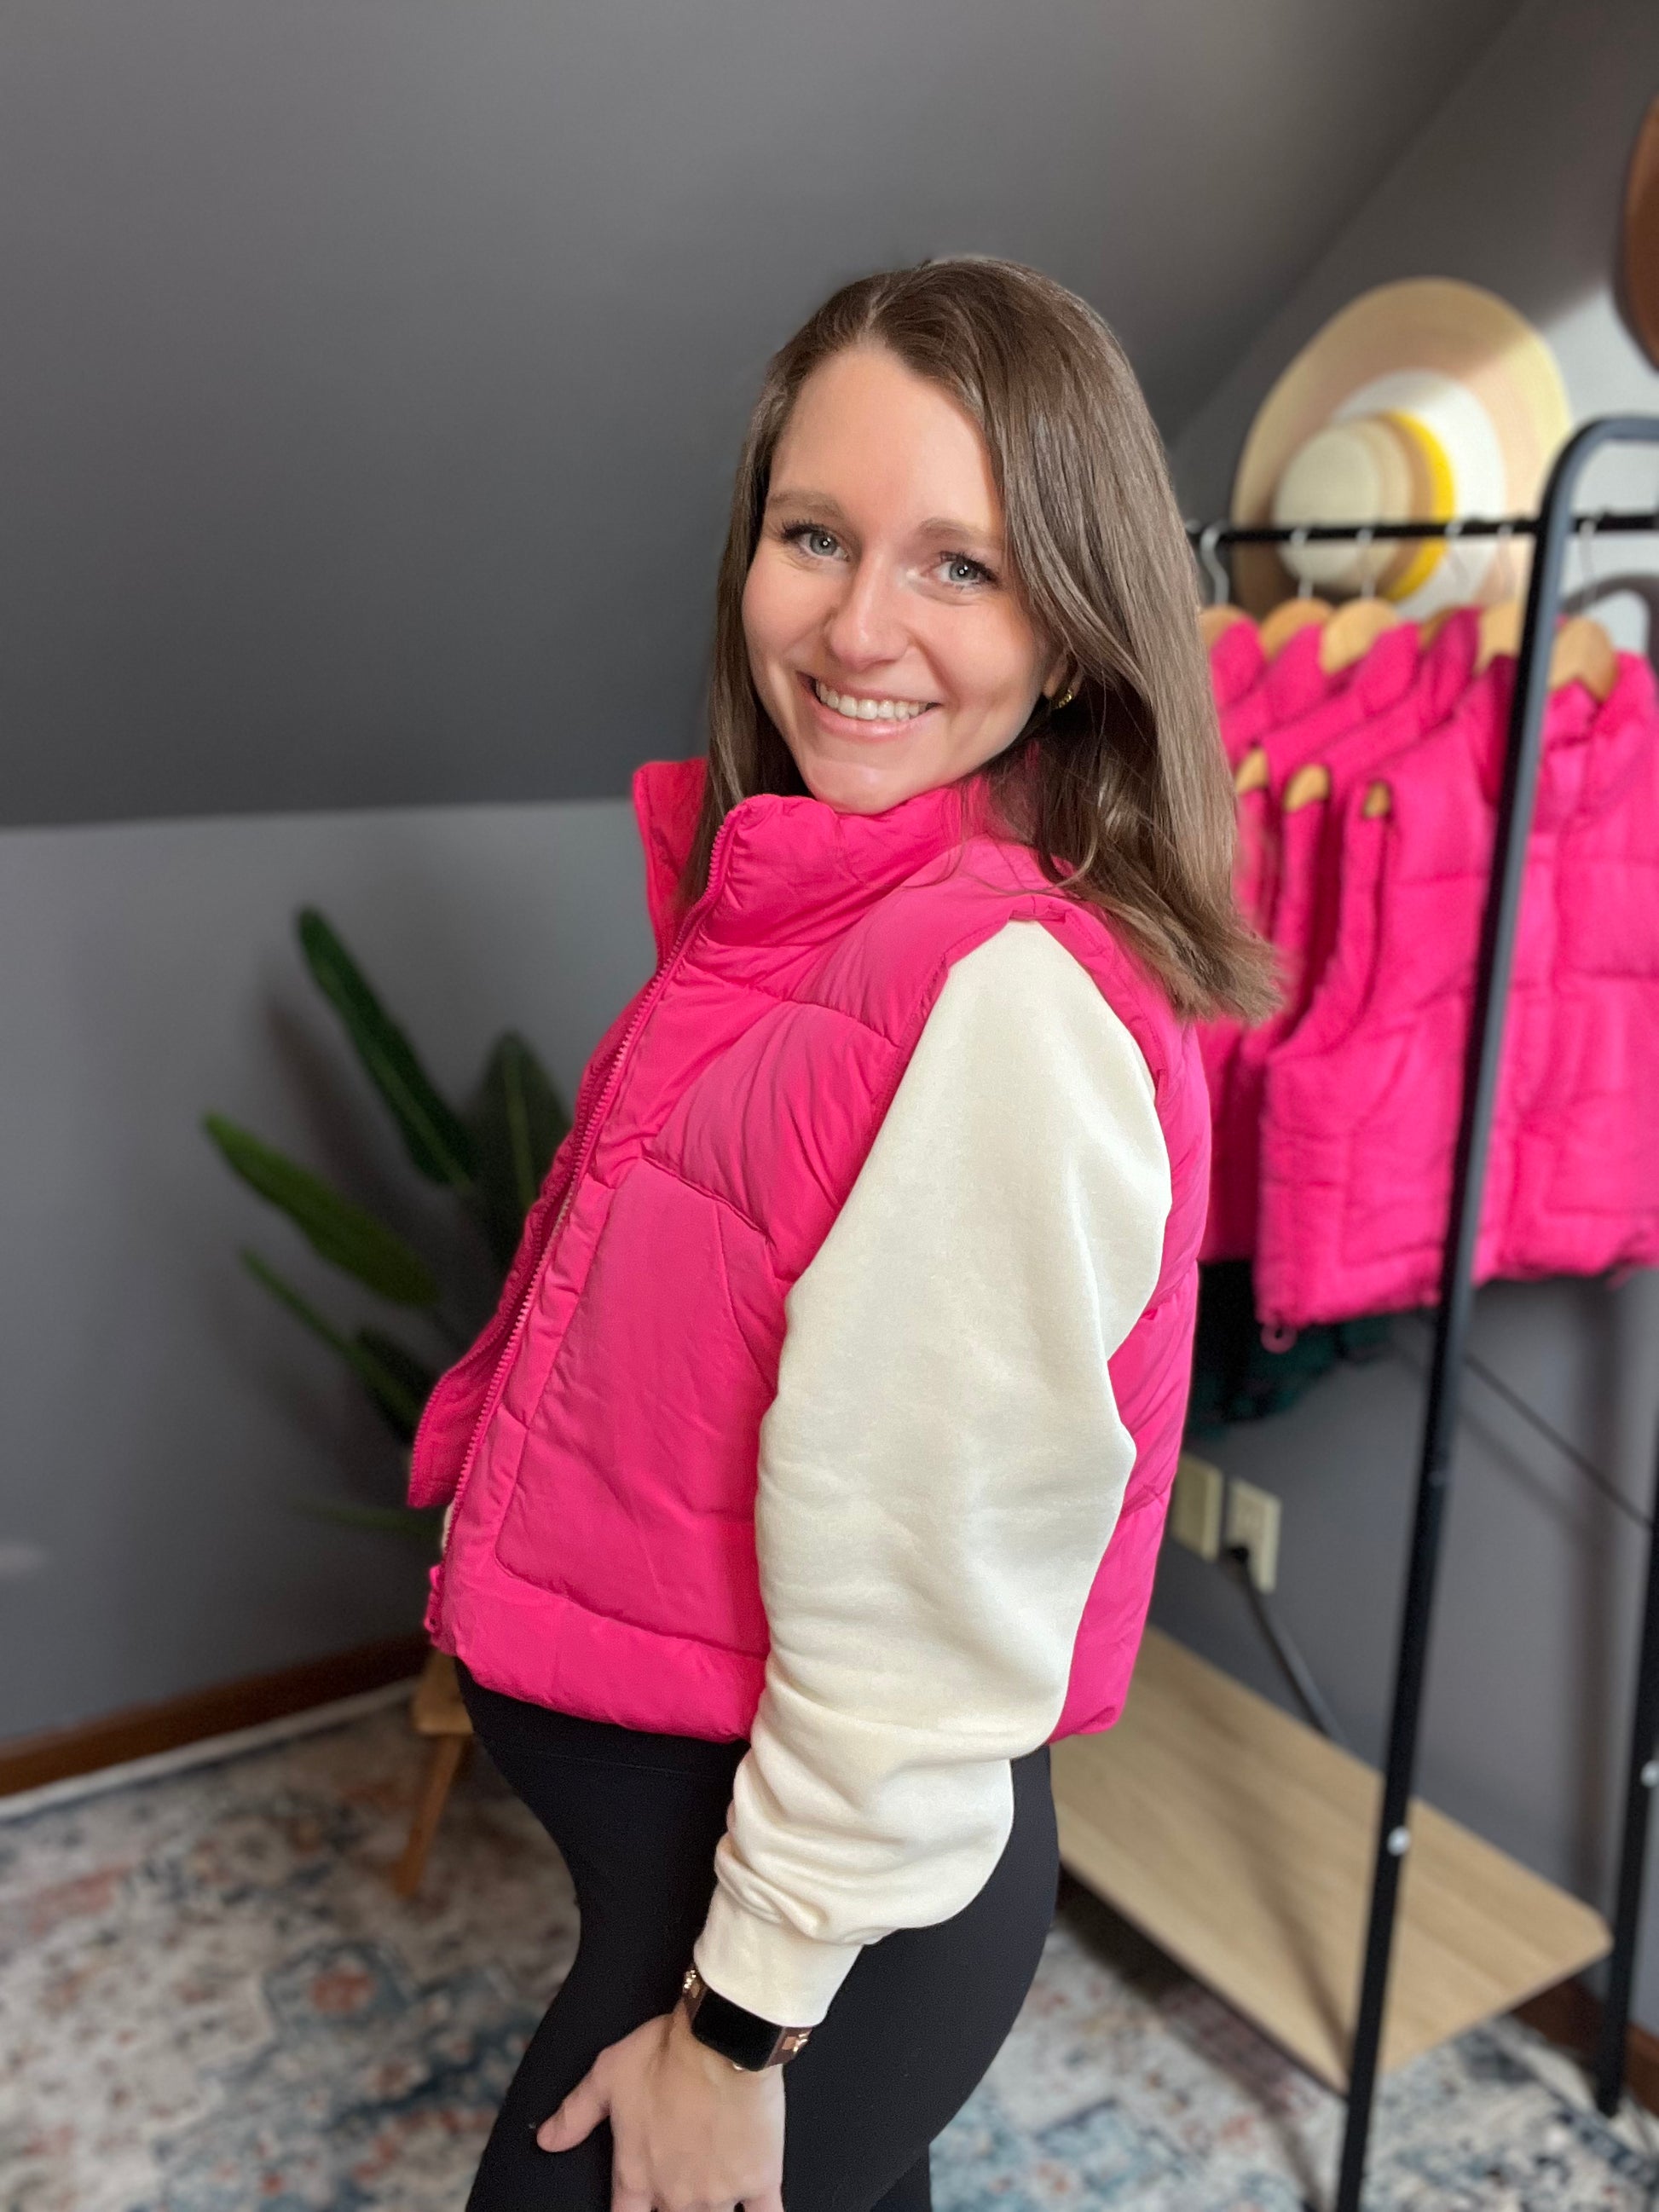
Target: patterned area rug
(210, 2001)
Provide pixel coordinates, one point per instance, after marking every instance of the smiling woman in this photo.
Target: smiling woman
(809, 1481)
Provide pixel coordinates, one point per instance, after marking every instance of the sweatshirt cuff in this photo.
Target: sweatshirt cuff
(766, 1966)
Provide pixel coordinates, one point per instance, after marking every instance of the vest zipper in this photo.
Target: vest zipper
(692, 915)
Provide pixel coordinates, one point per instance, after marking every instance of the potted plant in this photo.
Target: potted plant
(492, 1156)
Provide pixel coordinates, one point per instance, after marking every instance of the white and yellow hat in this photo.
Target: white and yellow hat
(1428, 397)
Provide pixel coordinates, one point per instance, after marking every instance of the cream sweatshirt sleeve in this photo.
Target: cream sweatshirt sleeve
(940, 1473)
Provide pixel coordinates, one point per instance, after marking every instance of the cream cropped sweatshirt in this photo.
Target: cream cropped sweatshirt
(940, 1473)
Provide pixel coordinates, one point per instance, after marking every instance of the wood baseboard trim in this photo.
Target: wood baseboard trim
(140, 1731)
(1570, 2016)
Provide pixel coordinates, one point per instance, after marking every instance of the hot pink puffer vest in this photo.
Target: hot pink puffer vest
(1294, 693)
(1361, 1102)
(601, 1438)
(1386, 702)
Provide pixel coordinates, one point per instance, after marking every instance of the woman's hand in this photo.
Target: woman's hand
(688, 2128)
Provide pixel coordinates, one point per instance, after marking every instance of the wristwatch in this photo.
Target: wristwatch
(744, 2038)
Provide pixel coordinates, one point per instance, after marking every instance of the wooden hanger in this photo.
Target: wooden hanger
(1310, 783)
(1378, 801)
(1584, 654)
(1280, 627)
(1431, 625)
(1351, 632)
(1252, 773)
(1214, 620)
(1500, 631)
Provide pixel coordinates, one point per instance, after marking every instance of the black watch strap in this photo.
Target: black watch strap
(743, 2037)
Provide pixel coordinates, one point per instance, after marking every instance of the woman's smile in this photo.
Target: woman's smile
(876, 713)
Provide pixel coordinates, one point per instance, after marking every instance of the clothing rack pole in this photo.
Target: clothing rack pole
(1641, 1773)
(1608, 522)
(1550, 528)
(1496, 960)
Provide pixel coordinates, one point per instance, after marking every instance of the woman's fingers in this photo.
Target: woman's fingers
(576, 2118)
(680, 2143)
(624, 2197)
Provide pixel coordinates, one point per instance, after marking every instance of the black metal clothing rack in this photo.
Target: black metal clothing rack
(1552, 528)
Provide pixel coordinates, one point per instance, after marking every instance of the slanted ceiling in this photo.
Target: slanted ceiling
(374, 369)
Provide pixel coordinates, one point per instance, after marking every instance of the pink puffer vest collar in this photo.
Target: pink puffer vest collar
(601, 1438)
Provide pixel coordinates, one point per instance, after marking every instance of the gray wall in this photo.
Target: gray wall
(1516, 183)
(374, 369)
(162, 1417)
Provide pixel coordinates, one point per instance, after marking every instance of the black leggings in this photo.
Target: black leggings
(909, 2035)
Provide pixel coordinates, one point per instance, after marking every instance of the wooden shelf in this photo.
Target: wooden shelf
(1241, 1842)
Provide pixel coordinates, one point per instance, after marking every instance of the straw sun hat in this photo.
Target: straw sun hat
(1641, 258)
(1428, 397)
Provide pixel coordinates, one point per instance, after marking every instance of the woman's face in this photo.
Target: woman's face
(885, 639)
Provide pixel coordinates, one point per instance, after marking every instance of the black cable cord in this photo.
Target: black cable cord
(1293, 1665)
(1587, 1467)
(1569, 1451)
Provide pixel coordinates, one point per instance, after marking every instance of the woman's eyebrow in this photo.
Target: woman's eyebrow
(949, 526)
(821, 502)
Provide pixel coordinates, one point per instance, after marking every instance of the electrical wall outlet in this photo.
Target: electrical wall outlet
(1253, 1520)
(1195, 1506)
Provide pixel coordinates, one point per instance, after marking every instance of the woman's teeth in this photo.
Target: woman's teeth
(870, 710)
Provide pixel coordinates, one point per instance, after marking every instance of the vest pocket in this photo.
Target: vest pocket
(635, 1494)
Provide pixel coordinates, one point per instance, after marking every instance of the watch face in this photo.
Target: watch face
(743, 2037)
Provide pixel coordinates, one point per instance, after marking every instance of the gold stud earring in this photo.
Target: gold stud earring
(1064, 700)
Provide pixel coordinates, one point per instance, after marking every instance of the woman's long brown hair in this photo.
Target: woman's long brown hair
(1123, 795)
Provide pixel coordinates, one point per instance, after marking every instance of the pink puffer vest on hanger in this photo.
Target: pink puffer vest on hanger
(1237, 665)
(1583, 1177)
(601, 1438)
(1330, 703)
(1361, 1101)
(1292, 684)
(1399, 692)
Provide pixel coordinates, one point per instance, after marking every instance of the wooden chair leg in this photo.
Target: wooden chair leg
(447, 1753)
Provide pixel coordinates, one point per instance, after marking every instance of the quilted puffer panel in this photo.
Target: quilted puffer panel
(771, 1129)
(636, 1494)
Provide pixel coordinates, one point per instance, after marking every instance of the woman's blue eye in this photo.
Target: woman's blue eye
(811, 539)
(959, 569)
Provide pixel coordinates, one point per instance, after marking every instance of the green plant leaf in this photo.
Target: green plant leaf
(518, 1122)
(345, 1234)
(396, 1360)
(436, 1139)
(421, 1525)
(396, 1379)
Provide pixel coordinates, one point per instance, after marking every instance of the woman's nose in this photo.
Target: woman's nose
(866, 626)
